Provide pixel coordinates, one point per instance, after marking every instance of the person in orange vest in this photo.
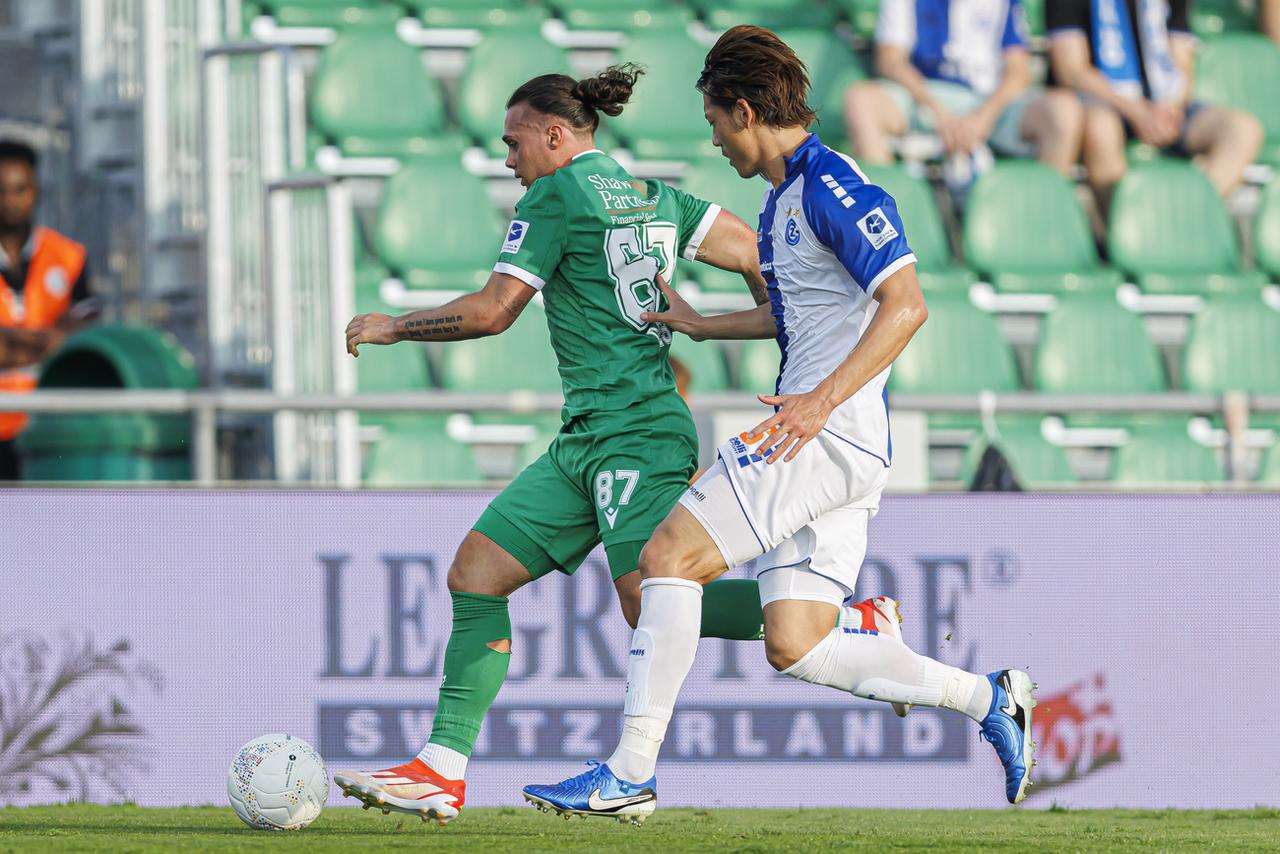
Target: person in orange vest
(44, 290)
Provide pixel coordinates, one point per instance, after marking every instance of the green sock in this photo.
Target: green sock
(731, 609)
(473, 672)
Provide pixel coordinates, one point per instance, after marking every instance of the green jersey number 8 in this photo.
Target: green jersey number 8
(636, 255)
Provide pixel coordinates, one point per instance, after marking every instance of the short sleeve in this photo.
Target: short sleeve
(1066, 15)
(896, 25)
(1179, 16)
(859, 223)
(696, 217)
(536, 237)
(1016, 33)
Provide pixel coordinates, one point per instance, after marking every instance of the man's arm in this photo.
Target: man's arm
(1072, 66)
(755, 322)
(488, 311)
(976, 127)
(800, 417)
(893, 62)
(730, 244)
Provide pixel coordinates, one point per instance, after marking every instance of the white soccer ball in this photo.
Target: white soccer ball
(277, 782)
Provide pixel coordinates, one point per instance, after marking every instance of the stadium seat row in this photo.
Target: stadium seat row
(1024, 230)
(1088, 344)
(373, 96)
(1209, 18)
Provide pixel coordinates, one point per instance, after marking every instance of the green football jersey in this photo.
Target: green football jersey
(593, 239)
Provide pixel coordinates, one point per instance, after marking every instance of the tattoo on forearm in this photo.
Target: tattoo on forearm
(433, 327)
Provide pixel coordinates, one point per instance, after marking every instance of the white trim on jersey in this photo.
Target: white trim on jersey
(535, 282)
(700, 233)
(894, 267)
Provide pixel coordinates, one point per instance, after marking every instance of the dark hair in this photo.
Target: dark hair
(755, 65)
(11, 149)
(579, 102)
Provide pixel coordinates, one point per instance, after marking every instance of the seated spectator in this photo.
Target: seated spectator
(1138, 87)
(960, 69)
(44, 289)
(1269, 18)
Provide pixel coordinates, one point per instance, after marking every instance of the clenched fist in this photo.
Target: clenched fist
(370, 329)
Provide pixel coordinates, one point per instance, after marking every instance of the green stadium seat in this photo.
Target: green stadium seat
(758, 362)
(723, 14)
(496, 67)
(1037, 463)
(1269, 473)
(436, 226)
(1025, 230)
(1163, 453)
(520, 359)
(373, 97)
(1170, 230)
(713, 179)
(417, 450)
(833, 67)
(959, 350)
(926, 234)
(621, 14)
(862, 15)
(664, 118)
(1233, 345)
(1243, 70)
(1266, 231)
(1091, 343)
(477, 14)
(331, 13)
(705, 361)
(402, 367)
(1210, 18)
(545, 424)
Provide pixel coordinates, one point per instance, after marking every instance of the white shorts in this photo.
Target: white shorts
(810, 513)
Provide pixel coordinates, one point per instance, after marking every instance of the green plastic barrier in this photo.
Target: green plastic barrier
(112, 446)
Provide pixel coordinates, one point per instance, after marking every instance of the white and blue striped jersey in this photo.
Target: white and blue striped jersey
(827, 238)
(958, 40)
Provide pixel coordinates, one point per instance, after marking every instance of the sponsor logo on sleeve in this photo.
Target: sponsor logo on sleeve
(876, 227)
(515, 236)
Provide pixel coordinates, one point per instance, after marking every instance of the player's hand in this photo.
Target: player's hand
(970, 131)
(370, 329)
(679, 315)
(800, 418)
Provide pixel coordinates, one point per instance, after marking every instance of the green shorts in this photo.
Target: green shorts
(608, 477)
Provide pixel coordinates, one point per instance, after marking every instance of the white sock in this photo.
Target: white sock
(445, 761)
(878, 667)
(662, 650)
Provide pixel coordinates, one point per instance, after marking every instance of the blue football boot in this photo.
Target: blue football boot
(1008, 727)
(597, 792)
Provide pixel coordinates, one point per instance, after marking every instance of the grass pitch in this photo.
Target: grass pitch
(214, 829)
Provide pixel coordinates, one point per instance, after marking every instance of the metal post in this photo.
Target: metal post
(204, 451)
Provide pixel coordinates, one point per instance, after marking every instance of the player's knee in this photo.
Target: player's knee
(783, 650)
(665, 556)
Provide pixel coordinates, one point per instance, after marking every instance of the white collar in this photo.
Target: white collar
(585, 153)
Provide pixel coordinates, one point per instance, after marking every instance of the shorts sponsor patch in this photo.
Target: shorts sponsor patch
(515, 235)
(876, 227)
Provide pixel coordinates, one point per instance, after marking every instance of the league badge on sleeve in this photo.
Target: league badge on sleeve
(876, 227)
(515, 236)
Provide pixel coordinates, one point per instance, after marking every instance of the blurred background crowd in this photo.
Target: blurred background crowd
(195, 195)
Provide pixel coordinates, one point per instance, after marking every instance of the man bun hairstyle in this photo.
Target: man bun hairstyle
(753, 64)
(580, 102)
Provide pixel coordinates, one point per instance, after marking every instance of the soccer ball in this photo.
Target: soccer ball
(277, 782)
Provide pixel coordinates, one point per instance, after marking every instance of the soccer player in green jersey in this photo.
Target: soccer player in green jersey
(594, 241)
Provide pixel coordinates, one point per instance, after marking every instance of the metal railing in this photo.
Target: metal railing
(204, 407)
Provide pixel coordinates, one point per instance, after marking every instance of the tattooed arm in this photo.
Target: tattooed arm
(488, 311)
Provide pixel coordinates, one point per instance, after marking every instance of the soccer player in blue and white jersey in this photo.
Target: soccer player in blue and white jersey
(793, 494)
